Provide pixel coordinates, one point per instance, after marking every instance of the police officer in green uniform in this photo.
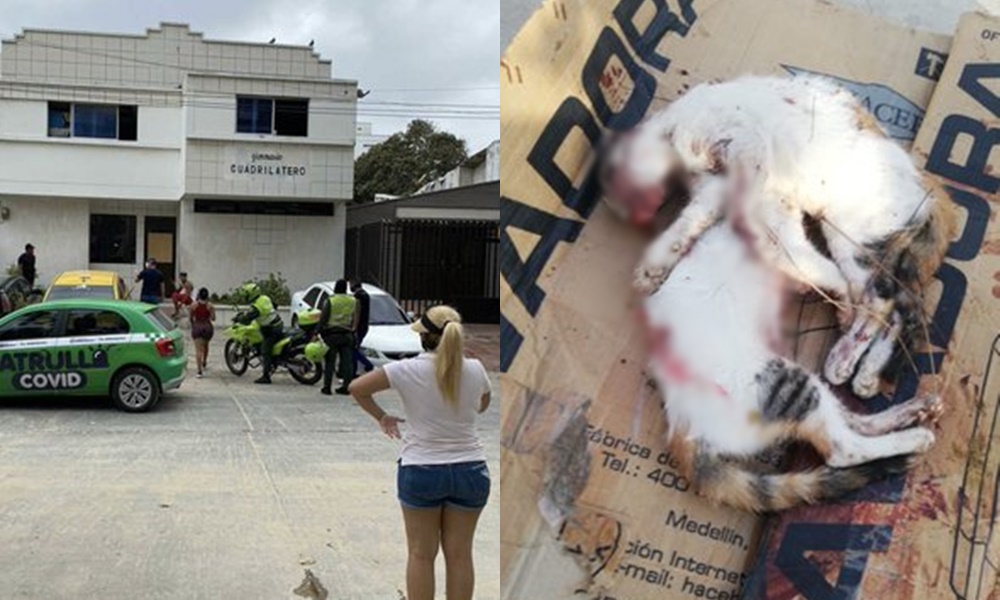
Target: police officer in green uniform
(262, 310)
(339, 321)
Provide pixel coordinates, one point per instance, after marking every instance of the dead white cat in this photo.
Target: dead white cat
(773, 150)
(729, 395)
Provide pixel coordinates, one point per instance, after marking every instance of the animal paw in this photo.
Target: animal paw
(923, 439)
(649, 278)
(866, 386)
(838, 367)
(931, 410)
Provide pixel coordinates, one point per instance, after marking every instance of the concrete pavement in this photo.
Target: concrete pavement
(225, 490)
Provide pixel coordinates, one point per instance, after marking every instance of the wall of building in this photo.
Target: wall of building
(164, 55)
(222, 251)
(53, 226)
(366, 139)
(491, 169)
(32, 163)
(324, 172)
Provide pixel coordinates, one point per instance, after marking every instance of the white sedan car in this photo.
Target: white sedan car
(389, 335)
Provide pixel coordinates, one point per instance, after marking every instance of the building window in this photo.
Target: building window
(112, 239)
(280, 116)
(103, 121)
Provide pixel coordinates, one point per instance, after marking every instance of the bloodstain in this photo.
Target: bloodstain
(996, 291)
(931, 502)
(991, 247)
(684, 72)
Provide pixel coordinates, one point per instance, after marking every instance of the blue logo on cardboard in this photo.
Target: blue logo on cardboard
(897, 116)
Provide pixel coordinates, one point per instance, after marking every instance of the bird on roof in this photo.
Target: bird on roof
(362, 93)
(272, 40)
(311, 42)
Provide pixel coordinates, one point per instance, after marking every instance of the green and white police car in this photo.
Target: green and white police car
(128, 350)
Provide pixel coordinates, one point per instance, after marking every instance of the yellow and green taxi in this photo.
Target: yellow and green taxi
(128, 350)
(87, 284)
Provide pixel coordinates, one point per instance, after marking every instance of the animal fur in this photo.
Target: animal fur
(768, 152)
(729, 396)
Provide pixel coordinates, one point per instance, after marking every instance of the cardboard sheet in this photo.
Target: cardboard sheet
(932, 535)
(592, 504)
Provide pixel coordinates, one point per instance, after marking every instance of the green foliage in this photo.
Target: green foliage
(274, 286)
(406, 161)
(13, 269)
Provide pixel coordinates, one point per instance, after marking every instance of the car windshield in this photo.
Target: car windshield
(63, 292)
(384, 311)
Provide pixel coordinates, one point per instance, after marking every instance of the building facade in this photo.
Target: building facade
(228, 160)
(367, 139)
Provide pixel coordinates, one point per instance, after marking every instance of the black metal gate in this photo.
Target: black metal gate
(428, 262)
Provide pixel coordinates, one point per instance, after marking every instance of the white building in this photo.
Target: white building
(228, 160)
(366, 139)
(481, 167)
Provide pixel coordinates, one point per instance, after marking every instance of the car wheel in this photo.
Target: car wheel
(135, 389)
(237, 358)
(304, 370)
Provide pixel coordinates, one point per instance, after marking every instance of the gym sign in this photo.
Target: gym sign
(265, 164)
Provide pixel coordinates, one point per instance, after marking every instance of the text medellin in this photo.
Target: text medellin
(726, 535)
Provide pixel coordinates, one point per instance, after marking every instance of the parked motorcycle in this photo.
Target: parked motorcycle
(242, 350)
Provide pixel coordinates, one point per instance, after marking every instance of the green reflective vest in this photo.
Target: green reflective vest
(341, 311)
(266, 315)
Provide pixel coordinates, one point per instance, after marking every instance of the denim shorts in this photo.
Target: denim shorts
(465, 486)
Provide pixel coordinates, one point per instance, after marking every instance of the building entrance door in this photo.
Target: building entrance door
(160, 235)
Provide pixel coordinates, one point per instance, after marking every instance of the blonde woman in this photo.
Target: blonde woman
(442, 479)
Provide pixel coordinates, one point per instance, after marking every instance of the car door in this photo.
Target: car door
(97, 338)
(321, 298)
(30, 361)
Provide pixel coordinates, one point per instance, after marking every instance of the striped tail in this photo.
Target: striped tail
(727, 483)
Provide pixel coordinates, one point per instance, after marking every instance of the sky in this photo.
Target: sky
(437, 57)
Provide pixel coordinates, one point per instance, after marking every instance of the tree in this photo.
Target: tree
(406, 161)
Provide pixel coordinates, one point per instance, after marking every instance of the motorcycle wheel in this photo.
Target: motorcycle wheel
(237, 358)
(303, 370)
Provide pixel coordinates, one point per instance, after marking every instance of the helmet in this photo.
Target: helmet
(316, 350)
(252, 290)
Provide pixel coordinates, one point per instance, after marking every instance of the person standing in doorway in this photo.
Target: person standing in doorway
(442, 480)
(153, 283)
(364, 316)
(338, 322)
(202, 315)
(26, 262)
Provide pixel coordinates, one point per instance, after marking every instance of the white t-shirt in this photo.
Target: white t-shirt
(435, 431)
